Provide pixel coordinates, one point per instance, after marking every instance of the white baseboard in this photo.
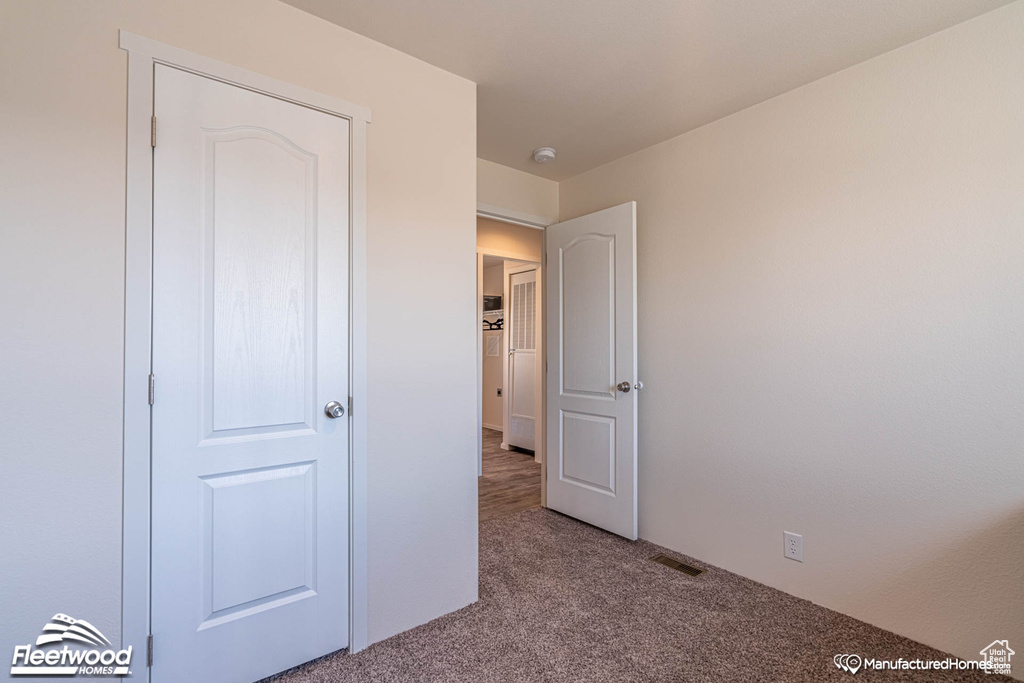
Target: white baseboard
(496, 428)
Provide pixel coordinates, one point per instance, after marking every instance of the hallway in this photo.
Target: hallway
(510, 482)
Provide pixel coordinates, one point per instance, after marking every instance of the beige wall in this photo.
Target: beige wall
(493, 405)
(509, 188)
(505, 239)
(831, 315)
(62, 150)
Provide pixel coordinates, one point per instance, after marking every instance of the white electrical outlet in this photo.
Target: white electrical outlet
(794, 548)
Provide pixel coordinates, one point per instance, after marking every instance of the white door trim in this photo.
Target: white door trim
(143, 54)
(503, 215)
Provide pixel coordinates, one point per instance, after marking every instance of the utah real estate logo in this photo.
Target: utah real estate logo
(98, 659)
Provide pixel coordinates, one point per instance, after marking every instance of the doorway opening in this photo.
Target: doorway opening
(509, 285)
(584, 422)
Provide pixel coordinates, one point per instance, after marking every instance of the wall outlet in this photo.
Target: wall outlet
(499, 391)
(794, 546)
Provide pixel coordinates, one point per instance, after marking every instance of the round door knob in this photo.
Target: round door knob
(638, 386)
(334, 410)
(623, 387)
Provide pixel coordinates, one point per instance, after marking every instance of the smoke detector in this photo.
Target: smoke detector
(543, 155)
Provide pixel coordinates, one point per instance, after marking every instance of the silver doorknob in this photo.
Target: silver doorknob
(334, 410)
(623, 387)
(638, 386)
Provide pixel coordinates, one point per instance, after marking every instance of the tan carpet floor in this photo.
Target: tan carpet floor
(564, 601)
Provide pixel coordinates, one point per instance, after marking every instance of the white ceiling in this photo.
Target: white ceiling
(498, 260)
(600, 79)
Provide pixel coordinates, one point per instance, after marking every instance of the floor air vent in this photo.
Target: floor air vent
(677, 565)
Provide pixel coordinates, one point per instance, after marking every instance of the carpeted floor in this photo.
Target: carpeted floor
(563, 601)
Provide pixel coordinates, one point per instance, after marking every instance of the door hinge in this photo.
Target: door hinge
(152, 389)
(149, 650)
(350, 406)
(152, 131)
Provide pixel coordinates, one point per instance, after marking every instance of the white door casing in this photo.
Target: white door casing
(522, 292)
(250, 341)
(592, 337)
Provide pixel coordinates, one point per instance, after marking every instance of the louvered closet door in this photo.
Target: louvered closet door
(521, 403)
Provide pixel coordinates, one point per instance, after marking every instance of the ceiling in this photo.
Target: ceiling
(499, 260)
(600, 79)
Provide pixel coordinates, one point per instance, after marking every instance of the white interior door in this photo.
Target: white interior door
(592, 369)
(250, 341)
(521, 311)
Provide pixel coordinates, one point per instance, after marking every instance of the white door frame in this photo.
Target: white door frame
(143, 55)
(538, 389)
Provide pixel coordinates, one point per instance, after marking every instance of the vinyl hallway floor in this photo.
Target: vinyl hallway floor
(511, 480)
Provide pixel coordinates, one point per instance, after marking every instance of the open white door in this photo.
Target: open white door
(592, 369)
(250, 342)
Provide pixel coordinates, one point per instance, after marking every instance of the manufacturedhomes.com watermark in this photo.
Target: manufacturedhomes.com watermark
(995, 659)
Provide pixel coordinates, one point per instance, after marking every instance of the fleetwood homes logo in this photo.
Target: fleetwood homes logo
(99, 659)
